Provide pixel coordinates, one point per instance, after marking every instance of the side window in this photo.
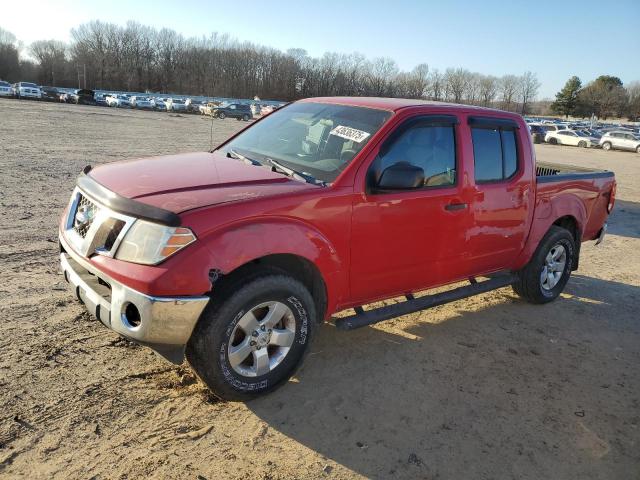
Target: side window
(495, 153)
(429, 147)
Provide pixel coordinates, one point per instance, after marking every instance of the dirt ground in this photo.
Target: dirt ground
(486, 388)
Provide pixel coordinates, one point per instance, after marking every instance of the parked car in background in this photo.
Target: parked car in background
(49, 94)
(5, 89)
(82, 96)
(571, 137)
(266, 109)
(552, 127)
(158, 104)
(592, 133)
(101, 99)
(239, 111)
(208, 108)
(118, 101)
(537, 133)
(142, 103)
(27, 90)
(176, 105)
(620, 140)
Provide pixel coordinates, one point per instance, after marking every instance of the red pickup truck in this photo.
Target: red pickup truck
(234, 256)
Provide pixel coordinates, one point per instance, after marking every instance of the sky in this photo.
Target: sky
(553, 39)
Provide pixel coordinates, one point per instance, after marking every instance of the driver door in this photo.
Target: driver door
(407, 240)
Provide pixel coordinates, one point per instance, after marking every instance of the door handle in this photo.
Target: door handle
(452, 207)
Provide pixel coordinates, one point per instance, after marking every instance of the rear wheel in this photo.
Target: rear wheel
(245, 117)
(638, 149)
(553, 141)
(222, 115)
(251, 341)
(606, 146)
(582, 144)
(548, 271)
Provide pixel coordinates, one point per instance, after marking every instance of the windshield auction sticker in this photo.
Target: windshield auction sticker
(349, 133)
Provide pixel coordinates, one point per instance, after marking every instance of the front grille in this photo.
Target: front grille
(84, 215)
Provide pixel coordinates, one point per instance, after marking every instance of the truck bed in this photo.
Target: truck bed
(593, 188)
(553, 172)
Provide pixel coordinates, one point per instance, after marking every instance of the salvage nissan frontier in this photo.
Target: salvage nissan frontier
(233, 257)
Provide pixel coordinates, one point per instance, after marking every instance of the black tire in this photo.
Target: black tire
(606, 146)
(582, 144)
(553, 141)
(638, 149)
(245, 117)
(222, 115)
(529, 284)
(207, 351)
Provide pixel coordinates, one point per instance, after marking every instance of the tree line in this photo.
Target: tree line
(604, 97)
(135, 57)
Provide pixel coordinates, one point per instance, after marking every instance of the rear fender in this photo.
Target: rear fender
(547, 212)
(241, 243)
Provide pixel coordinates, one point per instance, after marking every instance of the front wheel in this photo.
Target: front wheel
(582, 144)
(545, 276)
(553, 141)
(638, 149)
(606, 146)
(251, 342)
(222, 115)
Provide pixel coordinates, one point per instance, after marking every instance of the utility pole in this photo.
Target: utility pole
(84, 75)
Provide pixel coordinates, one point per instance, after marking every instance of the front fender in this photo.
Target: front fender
(240, 243)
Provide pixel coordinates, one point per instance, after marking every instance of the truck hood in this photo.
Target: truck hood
(186, 181)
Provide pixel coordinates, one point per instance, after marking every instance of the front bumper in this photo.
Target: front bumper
(165, 323)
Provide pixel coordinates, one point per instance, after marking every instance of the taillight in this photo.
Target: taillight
(612, 198)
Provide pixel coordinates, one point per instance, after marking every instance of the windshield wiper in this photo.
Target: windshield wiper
(294, 173)
(233, 154)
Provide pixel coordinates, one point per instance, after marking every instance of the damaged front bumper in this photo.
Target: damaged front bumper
(164, 324)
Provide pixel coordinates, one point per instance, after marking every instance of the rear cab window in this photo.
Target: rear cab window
(495, 149)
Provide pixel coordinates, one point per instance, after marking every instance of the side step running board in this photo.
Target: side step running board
(363, 318)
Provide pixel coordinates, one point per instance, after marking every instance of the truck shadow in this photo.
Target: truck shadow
(454, 390)
(625, 219)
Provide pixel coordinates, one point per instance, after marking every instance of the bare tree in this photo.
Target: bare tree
(529, 86)
(488, 90)
(508, 89)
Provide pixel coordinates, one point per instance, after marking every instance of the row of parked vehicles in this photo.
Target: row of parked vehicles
(580, 134)
(221, 110)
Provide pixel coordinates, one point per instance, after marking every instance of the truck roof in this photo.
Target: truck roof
(394, 104)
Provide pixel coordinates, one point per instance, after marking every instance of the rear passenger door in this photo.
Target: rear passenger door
(503, 195)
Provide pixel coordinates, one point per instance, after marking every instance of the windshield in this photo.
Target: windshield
(314, 138)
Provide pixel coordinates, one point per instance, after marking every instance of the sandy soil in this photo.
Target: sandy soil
(487, 388)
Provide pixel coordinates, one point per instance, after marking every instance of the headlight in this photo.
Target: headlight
(150, 243)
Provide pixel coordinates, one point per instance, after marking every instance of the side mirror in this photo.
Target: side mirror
(401, 176)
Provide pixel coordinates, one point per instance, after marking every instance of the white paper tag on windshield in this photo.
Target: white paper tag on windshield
(349, 133)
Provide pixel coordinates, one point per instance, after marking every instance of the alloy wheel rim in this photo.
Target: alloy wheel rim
(261, 339)
(554, 265)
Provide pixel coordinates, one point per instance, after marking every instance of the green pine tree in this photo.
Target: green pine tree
(567, 98)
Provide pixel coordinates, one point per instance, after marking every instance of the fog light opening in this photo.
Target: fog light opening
(131, 315)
